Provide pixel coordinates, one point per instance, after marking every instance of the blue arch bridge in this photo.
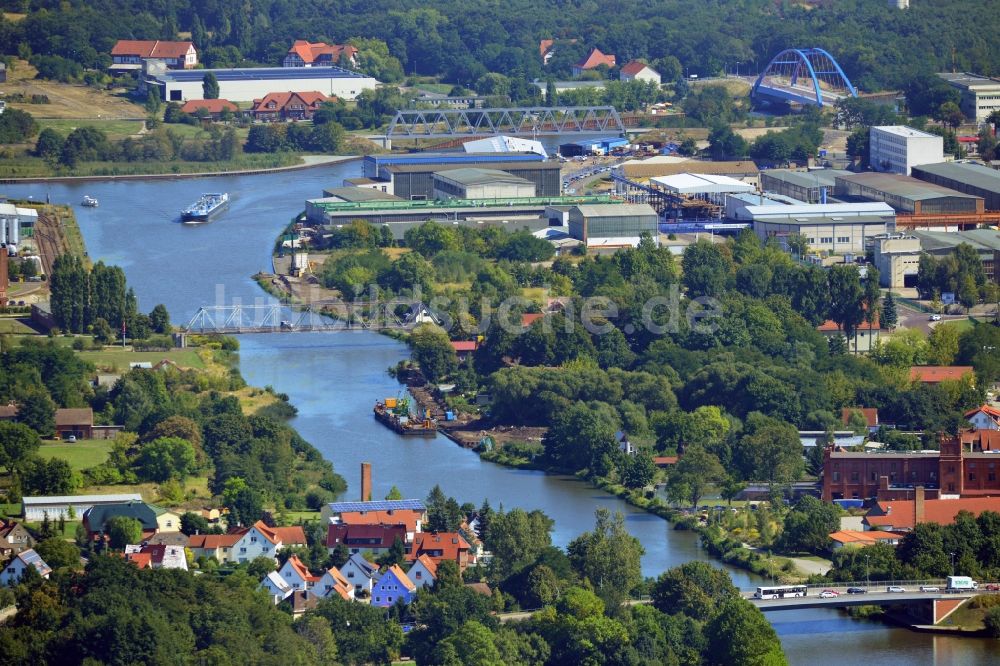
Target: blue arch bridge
(805, 77)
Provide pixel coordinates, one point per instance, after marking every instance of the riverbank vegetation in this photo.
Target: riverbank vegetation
(191, 427)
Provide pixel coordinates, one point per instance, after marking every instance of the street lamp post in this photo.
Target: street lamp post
(952, 563)
(868, 581)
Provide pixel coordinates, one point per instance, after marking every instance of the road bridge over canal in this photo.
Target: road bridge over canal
(939, 603)
(803, 76)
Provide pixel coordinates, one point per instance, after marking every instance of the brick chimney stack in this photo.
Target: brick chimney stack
(918, 505)
(3, 273)
(366, 482)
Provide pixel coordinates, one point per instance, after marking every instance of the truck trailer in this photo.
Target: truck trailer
(961, 584)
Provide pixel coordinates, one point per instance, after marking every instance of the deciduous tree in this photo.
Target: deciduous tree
(609, 557)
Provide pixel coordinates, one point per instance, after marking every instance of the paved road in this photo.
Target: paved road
(910, 317)
(877, 596)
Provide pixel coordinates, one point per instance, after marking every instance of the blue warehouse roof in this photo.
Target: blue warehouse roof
(260, 74)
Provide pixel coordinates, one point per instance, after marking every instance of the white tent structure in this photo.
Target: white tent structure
(505, 144)
(697, 184)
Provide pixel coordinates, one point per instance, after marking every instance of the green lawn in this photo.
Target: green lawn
(69, 527)
(115, 129)
(11, 509)
(15, 326)
(120, 358)
(81, 455)
(295, 516)
(961, 325)
(437, 88)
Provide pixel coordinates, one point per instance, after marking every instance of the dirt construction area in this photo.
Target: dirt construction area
(66, 100)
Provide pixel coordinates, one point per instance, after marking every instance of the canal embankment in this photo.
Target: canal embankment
(308, 162)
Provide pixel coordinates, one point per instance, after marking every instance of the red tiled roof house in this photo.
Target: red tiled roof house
(320, 54)
(213, 108)
(361, 538)
(287, 106)
(441, 546)
(129, 54)
(984, 418)
(934, 374)
(639, 71)
(593, 60)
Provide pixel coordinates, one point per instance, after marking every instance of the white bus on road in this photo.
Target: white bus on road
(780, 592)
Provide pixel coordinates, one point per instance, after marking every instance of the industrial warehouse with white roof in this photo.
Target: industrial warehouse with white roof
(245, 85)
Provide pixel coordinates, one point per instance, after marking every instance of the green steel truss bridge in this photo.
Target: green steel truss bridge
(514, 121)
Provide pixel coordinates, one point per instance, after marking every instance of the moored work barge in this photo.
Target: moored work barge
(394, 413)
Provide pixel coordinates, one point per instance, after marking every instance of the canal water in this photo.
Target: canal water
(334, 379)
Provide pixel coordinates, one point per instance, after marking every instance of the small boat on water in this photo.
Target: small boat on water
(89, 201)
(205, 208)
(394, 413)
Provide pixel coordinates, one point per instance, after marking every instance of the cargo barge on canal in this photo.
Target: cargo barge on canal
(394, 413)
(205, 208)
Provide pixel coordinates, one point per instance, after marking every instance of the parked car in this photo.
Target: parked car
(828, 594)
(895, 589)
(935, 317)
(857, 590)
(71, 439)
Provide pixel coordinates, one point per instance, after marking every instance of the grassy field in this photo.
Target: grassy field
(253, 399)
(71, 232)
(115, 129)
(67, 101)
(14, 326)
(196, 488)
(113, 357)
(304, 516)
(68, 532)
(199, 132)
(437, 88)
(81, 455)
(961, 325)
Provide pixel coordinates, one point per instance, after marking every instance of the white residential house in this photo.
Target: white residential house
(15, 568)
(333, 582)
(254, 543)
(276, 587)
(158, 556)
(984, 418)
(639, 71)
(296, 575)
(423, 573)
(360, 573)
(624, 445)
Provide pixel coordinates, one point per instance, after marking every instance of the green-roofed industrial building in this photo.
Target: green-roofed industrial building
(986, 243)
(612, 226)
(966, 177)
(476, 183)
(907, 195)
(815, 186)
